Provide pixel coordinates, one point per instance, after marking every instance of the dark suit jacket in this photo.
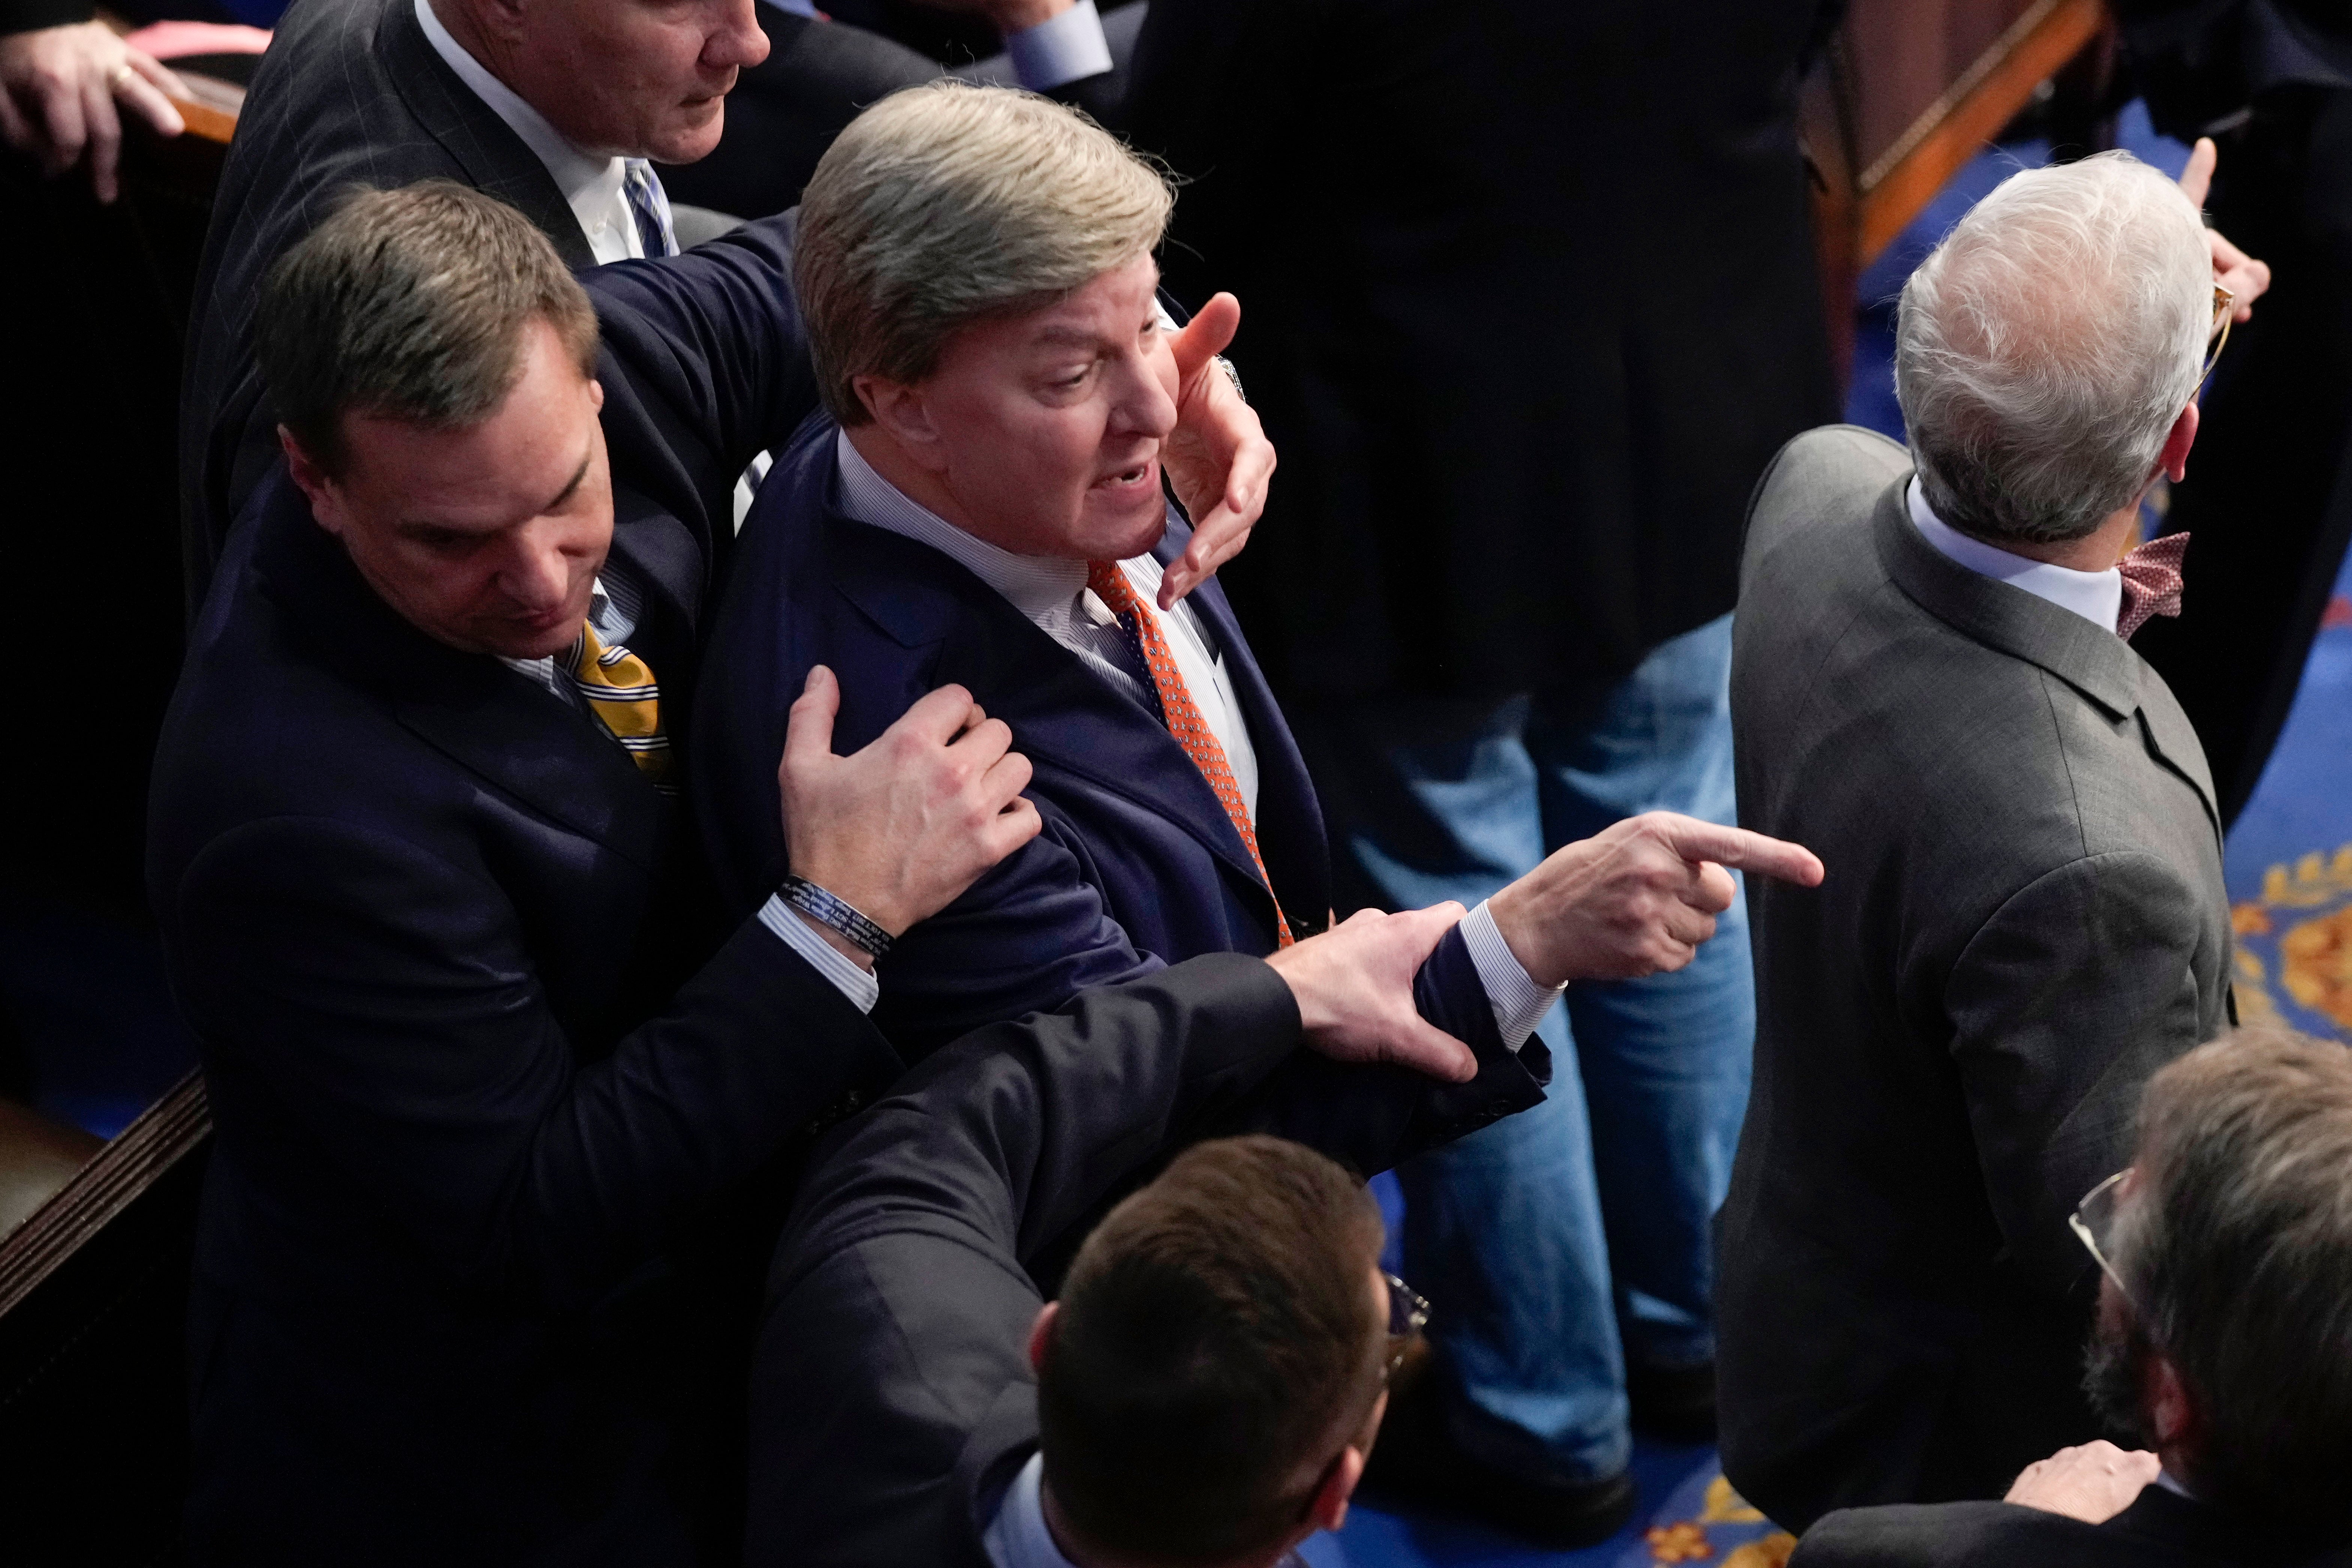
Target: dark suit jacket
(2023, 917)
(1529, 300)
(2160, 1529)
(1137, 864)
(428, 924)
(892, 1399)
(349, 93)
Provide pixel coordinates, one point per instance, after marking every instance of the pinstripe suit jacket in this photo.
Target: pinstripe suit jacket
(351, 93)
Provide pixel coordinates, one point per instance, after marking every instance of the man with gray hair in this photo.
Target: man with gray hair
(2025, 915)
(2224, 1342)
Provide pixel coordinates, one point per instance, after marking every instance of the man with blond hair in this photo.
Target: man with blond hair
(985, 505)
(1932, 682)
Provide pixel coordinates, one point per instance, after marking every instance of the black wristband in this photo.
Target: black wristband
(835, 914)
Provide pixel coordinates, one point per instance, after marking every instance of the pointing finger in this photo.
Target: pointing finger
(1739, 849)
(2198, 175)
(1204, 337)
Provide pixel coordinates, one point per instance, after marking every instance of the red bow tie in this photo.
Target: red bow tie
(2152, 582)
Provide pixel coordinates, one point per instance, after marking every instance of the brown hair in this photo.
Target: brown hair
(410, 304)
(2237, 1259)
(947, 202)
(1216, 1345)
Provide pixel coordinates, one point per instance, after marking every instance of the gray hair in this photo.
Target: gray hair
(2045, 349)
(410, 304)
(946, 203)
(2236, 1257)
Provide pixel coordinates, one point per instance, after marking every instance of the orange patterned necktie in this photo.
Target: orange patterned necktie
(1183, 716)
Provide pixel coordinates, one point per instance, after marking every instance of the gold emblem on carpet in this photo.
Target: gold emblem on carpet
(2295, 945)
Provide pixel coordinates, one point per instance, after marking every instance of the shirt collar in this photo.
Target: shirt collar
(1037, 585)
(2096, 597)
(589, 184)
(1017, 1537)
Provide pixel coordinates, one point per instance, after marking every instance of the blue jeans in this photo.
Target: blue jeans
(1559, 1243)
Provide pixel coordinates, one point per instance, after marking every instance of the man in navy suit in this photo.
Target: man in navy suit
(985, 505)
(497, 1109)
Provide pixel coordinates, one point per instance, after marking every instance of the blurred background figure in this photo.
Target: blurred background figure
(2267, 504)
(1529, 299)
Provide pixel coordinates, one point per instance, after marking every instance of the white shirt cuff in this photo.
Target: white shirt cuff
(851, 979)
(1061, 48)
(1519, 1001)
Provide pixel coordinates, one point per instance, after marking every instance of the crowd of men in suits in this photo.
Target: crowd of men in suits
(765, 947)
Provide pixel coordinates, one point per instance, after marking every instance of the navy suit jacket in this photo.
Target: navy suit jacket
(891, 1396)
(1137, 864)
(481, 1070)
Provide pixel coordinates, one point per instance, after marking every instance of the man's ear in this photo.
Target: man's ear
(902, 413)
(326, 501)
(2175, 458)
(2172, 1417)
(1039, 1332)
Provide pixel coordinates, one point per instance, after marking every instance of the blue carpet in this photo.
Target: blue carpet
(2289, 866)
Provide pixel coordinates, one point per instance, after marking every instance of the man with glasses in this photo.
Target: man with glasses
(1205, 1386)
(2225, 1311)
(1933, 685)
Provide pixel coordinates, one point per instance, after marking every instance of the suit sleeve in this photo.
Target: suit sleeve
(1372, 1118)
(385, 1002)
(2062, 1004)
(891, 1381)
(715, 337)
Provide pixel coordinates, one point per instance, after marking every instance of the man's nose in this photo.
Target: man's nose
(1145, 406)
(737, 40)
(537, 576)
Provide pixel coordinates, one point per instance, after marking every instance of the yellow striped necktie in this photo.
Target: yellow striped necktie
(620, 690)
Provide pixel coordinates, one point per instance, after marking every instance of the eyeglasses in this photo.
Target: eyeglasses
(2219, 332)
(2094, 1222)
(1408, 1315)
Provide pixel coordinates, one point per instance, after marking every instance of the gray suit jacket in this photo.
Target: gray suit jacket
(2024, 918)
(350, 94)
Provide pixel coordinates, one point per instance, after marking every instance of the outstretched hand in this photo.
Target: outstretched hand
(2233, 269)
(1354, 986)
(1217, 458)
(901, 827)
(1636, 898)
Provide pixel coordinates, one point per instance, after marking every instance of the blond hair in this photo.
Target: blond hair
(947, 202)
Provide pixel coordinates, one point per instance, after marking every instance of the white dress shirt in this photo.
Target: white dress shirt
(2096, 597)
(1018, 1537)
(591, 185)
(1052, 594)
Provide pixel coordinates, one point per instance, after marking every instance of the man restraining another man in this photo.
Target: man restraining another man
(497, 1101)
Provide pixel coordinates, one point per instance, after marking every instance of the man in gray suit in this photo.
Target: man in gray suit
(2024, 915)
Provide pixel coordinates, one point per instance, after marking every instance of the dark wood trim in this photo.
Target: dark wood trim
(164, 1135)
(1905, 177)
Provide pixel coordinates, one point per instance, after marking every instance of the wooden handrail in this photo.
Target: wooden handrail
(165, 1133)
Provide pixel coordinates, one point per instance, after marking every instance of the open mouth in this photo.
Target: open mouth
(1130, 479)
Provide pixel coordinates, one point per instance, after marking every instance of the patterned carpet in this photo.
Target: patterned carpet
(2289, 866)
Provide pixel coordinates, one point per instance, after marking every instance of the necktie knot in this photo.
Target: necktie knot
(648, 208)
(2153, 583)
(623, 696)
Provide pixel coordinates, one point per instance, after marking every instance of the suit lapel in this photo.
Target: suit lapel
(494, 158)
(490, 720)
(1060, 711)
(2098, 664)
(1290, 832)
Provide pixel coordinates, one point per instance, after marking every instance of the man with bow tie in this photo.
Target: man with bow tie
(1932, 682)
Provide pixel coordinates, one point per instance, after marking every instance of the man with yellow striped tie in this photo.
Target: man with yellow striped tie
(494, 1094)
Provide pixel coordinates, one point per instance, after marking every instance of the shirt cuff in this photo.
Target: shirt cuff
(1061, 48)
(1519, 1001)
(850, 978)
